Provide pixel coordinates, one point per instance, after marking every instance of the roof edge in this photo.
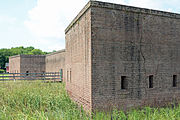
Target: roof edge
(114, 6)
(22, 55)
(59, 51)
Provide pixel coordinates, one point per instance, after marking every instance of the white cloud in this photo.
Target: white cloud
(49, 18)
(165, 5)
(145, 3)
(115, 1)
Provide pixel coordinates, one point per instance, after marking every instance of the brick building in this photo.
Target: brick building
(122, 56)
(55, 62)
(27, 64)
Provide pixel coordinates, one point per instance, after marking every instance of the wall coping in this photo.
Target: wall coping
(53, 53)
(59, 51)
(14, 56)
(108, 5)
(32, 55)
(26, 56)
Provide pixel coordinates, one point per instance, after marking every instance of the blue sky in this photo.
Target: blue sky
(41, 23)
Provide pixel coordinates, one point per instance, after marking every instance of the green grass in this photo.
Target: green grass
(49, 101)
(3, 77)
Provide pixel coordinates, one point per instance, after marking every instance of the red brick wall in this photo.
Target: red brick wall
(78, 61)
(14, 64)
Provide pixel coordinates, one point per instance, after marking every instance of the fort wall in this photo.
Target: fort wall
(78, 61)
(133, 56)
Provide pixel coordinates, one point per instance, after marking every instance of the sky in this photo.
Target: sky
(41, 23)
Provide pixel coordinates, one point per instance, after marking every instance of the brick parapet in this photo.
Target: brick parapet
(122, 8)
(57, 52)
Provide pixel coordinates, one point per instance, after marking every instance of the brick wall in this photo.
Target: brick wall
(14, 64)
(24, 63)
(116, 53)
(55, 61)
(134, 43)
(32, 63)
(78, 60)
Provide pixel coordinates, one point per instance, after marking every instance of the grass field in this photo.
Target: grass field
(49, 101)
(3, 77)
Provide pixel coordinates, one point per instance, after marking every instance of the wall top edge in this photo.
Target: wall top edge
(59, 51)
(127, 8)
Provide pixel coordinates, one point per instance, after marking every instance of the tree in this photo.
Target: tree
(5, 53)
(36, 52)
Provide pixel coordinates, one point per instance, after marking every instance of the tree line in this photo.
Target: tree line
(6, 53)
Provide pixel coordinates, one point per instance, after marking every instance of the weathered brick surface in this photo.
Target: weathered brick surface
(37, 63)
(55, 61)
(107, 41)
(78, 61)
(24, 63)
(32, 63)
(135, 45)
(14, 64)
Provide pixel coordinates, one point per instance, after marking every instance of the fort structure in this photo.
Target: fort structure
(53, 62)
(121, 57)
(27, 64)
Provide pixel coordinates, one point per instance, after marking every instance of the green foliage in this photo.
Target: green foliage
(49, 101)
(2, 71)
(36, 52)
(5, 53)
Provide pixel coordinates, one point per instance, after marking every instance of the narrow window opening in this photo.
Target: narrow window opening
(67, 76)
(27, 73)
(124, 83)
(70, 75)
(174, 80)
(151, 81)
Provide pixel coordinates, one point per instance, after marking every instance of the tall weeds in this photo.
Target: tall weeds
(49, 101)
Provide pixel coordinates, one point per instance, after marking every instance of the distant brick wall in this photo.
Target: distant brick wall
(115, 52)
(55, 61)
(38, 63)
(27, 63)
(32, 63)
(14, 64)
